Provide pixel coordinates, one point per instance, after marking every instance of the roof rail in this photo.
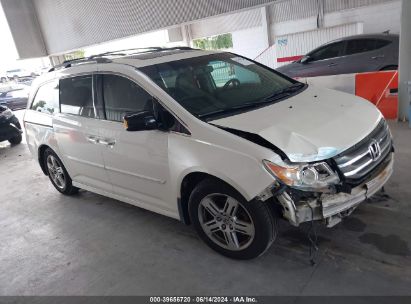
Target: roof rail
(118, 52)
(71, 62)
(142, 50)
(100, 58)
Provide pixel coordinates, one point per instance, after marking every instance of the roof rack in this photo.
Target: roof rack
(140, 51)
(100, 58)
(71, 62)
(119, 52)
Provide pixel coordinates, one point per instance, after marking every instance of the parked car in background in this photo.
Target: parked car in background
(42, 70)
(229, 151)
(354, 54)
(15, 98)
(3, 77)
(17, 74)
(10, 128)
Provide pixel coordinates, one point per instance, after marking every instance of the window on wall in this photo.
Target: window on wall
(218, 42)
(76, 96)
(47, 98)
(123, 96)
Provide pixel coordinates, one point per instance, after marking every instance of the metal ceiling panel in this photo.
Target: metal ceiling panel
(23, 23)
(72, 24)
(226, 24)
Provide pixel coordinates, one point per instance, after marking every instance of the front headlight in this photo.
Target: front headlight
(315, 176)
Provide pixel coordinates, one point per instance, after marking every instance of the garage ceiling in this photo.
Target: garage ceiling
(48, 27)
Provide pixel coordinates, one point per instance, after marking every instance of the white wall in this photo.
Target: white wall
(250, 42)
(376, 18)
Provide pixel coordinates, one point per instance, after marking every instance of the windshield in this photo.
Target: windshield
(221, 84)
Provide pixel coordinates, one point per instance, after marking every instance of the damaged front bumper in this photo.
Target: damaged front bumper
(331, 208)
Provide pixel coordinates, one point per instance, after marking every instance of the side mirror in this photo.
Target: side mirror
(140, 121)
(305, 59)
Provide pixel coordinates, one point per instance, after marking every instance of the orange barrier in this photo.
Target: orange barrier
(381, 88)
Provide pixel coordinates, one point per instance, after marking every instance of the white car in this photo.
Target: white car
(208, 138)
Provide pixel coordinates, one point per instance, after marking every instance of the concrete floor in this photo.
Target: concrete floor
(91, 245)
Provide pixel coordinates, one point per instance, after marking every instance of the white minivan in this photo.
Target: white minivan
(209, 138)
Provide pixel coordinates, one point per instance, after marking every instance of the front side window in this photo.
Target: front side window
(221, 84)
(76, 96)
(122, 96)
(47, 98)
(329, 51)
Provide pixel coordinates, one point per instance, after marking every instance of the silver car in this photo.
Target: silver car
(354, 54)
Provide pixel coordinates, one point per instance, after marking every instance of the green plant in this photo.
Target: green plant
(223, 41)
(74, 55)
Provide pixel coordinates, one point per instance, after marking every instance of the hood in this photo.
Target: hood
(313, 125)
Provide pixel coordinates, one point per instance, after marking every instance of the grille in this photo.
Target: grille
(358, 161)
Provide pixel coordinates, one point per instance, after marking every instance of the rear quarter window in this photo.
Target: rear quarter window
(47, 99)
(357, 46)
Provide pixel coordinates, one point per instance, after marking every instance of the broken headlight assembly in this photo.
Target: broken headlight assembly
(309, 177)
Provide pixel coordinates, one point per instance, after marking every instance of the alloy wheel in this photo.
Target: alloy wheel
(56, 171)
(226, 222)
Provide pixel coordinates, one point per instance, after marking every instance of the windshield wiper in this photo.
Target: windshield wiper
(286, 91)
(276, 95)
(228, 110)
(269, 99)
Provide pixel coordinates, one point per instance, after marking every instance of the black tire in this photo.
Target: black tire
(67, 188)
(390, 68)
(262, 219)
(16, 140)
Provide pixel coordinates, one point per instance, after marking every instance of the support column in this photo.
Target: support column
(404, 83)
(185, 32)
(265, 25)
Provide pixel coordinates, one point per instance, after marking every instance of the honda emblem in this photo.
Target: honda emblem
(375, 150)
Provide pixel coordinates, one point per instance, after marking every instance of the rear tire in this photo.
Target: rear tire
(229, 224)
(16, 140)
(58, 174)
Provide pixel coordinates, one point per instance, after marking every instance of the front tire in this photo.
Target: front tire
(229, 224)
(16, 140)
(58, 174)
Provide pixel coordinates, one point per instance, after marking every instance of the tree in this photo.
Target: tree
(223, 41)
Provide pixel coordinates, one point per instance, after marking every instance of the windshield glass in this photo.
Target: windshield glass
(221, 84)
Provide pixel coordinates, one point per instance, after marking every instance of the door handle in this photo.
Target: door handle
(107, 142)
(332, 64)
(92, 139)
(377, 57)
